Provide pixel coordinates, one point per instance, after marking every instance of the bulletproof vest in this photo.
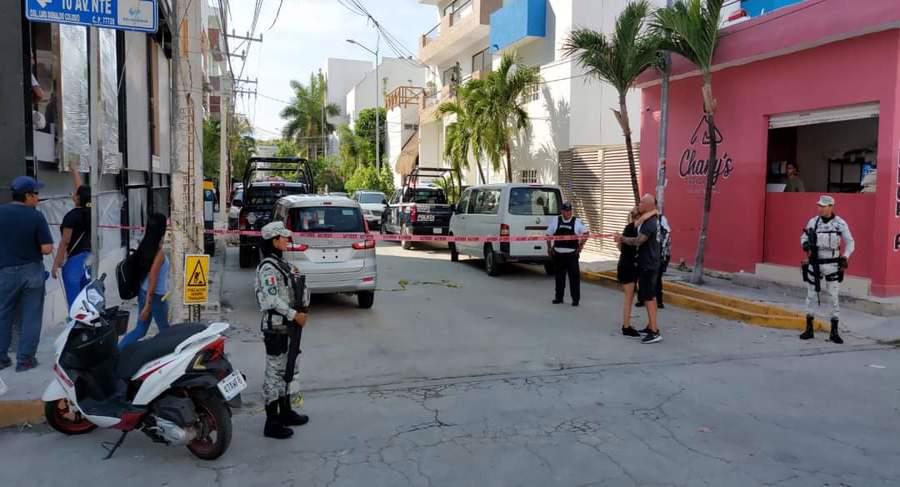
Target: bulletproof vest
(299, 292)
(565, 229)
(828, 237)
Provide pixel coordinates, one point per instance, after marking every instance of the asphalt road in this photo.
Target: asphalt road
(457, 378)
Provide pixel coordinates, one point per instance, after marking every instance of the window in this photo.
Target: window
(528, 176)
(531, 93)
(482, 61)
(426, 196)
(450, 76)
(327, 219)
(534, 201)
(487, 202)
(411, 126)
(370, 198)
(265, 196)
(463, 206)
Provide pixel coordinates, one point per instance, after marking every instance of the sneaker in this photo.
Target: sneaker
(639, 304)
(5, 362)
(26, 364)
(652, 338)
(645, 331)
(630, 332)
(660, 306)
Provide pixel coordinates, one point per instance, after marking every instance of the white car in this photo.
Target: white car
(505, 209)
(234, 211)
(331, 266)
(373, 204)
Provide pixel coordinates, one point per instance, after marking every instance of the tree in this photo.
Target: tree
(306, 116)
(691, 28)
(211, 142)
(619, 59)
(367, 177)
(365, 129)
(463, 135)
(500, 108)
(353, 150)
(241, 145)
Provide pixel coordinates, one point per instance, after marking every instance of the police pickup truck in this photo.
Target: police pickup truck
(418, 208)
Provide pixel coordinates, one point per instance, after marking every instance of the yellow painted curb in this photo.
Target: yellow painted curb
(723, 306)
(13, 413)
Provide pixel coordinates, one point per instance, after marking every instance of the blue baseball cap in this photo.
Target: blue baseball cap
(25, 184)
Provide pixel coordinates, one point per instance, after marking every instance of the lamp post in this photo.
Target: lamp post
(377, 101)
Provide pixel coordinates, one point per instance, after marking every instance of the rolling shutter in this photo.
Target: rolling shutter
(797, 119)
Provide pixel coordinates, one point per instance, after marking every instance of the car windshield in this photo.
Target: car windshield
(371, 198)
(427, 196)
(327, 219)
(268, 195)
(534, 201)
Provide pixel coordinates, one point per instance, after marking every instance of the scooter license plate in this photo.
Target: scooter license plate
(232, 385)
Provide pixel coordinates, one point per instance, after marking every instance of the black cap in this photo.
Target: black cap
(566, 207)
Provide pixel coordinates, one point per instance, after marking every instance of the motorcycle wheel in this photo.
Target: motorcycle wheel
(56, 413)
(214, 426)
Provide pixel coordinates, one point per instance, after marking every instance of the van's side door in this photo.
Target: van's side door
(459, 220)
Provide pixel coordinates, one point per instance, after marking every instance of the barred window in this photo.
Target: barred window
(532, 93)
(528, 176)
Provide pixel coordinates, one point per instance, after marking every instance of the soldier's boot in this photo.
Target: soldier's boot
(289, 417)
(835, 337)
(274, 427)
(808, 334)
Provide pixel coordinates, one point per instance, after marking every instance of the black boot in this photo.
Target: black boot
(808, 334)
(274, 427)
(289, 417)
(834, 332)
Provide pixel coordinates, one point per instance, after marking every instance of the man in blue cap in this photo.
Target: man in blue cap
(22, 271)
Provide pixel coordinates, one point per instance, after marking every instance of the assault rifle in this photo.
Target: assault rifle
(813, 263)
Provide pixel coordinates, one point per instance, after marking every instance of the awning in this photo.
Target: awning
(797, 119)
(409, 157)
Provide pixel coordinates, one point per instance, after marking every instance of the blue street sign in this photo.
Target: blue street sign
(137, 15)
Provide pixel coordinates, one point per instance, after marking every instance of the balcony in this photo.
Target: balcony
(518, 22)
(465, 24)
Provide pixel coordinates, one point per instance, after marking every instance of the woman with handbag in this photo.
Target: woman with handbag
(74, 252)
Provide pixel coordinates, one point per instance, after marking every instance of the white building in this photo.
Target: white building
(393, 73)
(342, 75)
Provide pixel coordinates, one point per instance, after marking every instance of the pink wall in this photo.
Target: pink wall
(789, 213)
(858, 70)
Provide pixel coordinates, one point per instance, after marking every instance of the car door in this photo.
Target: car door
(487, 223)
(459, 219)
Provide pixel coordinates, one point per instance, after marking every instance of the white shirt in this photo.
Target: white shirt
(580, 229)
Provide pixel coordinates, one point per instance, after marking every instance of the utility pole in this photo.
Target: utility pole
(663, 130)
(96, 119)
(377, 108)
(224, 179)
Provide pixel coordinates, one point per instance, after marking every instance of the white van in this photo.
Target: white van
(505, 209)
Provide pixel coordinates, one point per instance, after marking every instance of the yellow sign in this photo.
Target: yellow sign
(196, 279)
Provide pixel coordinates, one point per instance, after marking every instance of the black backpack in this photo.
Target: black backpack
(127, 278)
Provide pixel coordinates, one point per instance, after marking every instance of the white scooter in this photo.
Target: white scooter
(177, 387)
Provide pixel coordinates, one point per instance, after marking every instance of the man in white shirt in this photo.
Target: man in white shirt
(565, 253)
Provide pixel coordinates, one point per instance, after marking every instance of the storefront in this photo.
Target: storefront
(813, 87)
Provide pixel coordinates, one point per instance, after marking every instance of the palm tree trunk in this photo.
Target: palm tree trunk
(622, 115)
(459, 183)
(697, 274)
(509, 172)
(480, 170)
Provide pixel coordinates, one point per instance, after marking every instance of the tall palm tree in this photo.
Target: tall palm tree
(463, 136)
(691, 28)
(619, 59)
(500, 112)
(306, 116)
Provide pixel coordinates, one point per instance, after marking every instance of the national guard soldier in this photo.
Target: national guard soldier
(284, 300)
(824, 264)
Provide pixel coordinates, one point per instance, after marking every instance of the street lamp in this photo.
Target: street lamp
(377, 101)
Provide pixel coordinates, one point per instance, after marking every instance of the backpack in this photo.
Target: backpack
(128, 281)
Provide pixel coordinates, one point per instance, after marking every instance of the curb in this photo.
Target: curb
(720, 305)
(14, 413)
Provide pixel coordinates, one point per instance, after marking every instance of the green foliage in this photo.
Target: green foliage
(451, 189)
(327, 174)
(306, 116)
(367, 177)
(211, 142)
(241, 145)
(365, 130)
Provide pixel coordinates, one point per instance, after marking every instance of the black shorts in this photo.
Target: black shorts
(647, 281)
(627, 274)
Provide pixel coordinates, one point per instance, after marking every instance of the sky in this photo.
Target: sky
(305, 35)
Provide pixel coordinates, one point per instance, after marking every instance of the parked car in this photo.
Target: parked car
(260, 197)
(373, 204)
(339, 193)
(234, 211)
(418, 209)
(505, 209)
(210, 208)
(330, 266)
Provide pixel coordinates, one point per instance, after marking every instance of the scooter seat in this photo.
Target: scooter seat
(138, 354)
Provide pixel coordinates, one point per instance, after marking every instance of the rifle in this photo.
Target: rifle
(813, 264)
(295, 333)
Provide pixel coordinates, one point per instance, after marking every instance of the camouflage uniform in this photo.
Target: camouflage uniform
(274, 294)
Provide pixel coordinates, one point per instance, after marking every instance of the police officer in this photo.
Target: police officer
(824, 265)
(284, 300)
(565, 253)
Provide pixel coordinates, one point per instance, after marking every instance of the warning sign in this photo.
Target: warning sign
(196, 279)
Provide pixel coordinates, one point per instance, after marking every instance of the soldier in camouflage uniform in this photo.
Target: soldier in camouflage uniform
(276, 297)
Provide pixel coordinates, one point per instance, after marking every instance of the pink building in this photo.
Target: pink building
(817, 85)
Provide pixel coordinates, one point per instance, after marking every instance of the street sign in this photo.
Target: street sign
(136, 15)
(196, 279)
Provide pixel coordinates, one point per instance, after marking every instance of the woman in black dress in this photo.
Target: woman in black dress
(627, 273)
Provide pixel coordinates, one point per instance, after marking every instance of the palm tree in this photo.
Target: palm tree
(619, 59)
(306, 116)
(691, 28)
(462, 136)
(499, 108)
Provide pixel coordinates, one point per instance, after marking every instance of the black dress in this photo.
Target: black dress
(627, 270)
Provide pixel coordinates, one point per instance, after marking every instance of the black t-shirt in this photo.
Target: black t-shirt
(648, 252)
(628, 253)
(79, 220)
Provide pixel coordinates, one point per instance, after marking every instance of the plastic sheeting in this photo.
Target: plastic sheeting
(76, 140)
(54, 209)
(109, 96)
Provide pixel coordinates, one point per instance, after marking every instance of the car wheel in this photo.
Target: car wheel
(406, 244)
(245, 256)
(454, 254)
(365, 299)
(491, 266)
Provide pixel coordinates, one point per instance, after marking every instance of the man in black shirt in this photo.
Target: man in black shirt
(648, 245)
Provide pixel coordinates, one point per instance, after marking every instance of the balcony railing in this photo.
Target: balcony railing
(458, 10)
(432, 34)
(403, 96)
